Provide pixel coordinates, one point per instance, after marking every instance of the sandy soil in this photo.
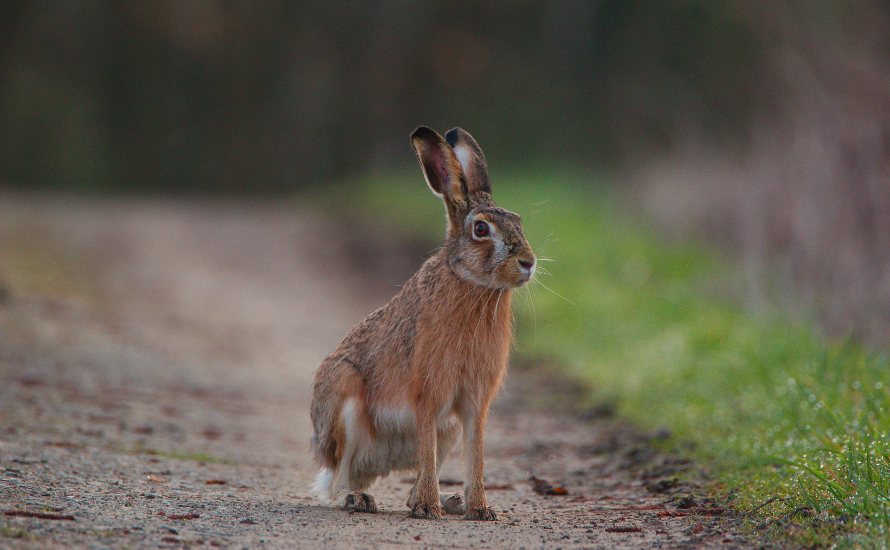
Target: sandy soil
(156, 362)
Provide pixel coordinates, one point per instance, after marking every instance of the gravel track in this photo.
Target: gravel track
(156, 361)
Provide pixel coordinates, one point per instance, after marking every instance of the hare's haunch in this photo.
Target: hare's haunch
(417, 373)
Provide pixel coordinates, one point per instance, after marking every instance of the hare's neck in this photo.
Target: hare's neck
(487, 309)
(485, 331)
(491, 300)
(477, 312)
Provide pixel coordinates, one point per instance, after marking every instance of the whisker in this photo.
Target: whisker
(554, 292)
(534, 293)
(496, 304)
(482, 313)
(531, 303)
(475, 302)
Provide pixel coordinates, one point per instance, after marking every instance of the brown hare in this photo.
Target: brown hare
(415, 374)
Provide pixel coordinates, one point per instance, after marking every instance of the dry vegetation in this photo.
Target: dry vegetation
(806, 201)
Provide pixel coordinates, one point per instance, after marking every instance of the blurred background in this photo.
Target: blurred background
(764, 127)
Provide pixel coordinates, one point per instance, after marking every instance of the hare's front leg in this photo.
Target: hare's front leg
(474, 447)
(446, 436)
(426, 500)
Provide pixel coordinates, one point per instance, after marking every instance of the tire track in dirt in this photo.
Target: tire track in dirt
(162, 401)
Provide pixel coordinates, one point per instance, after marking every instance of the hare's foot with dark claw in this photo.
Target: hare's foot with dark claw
(453, 504)
(426, 511)
(482, 514)
(360, 502)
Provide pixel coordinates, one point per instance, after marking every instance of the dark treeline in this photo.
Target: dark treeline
(212, 95)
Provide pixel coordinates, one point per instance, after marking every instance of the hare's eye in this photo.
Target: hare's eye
(480, 229)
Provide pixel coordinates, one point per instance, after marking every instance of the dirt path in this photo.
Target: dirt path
(155, 376)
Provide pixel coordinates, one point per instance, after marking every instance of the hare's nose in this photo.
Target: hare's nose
(525, 264)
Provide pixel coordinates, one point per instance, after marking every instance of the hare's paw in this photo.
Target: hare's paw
(453, 504)
(482, 514)
(426, 511)
(360, 502)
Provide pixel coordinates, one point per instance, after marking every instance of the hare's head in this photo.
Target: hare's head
(485, 244)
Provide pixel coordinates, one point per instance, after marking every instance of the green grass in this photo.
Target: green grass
(16, 533)
(777, 411)
(195, 457)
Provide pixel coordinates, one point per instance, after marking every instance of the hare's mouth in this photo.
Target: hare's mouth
(526, 271)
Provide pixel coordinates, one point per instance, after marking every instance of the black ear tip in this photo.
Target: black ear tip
(452, 135)
(422, 132)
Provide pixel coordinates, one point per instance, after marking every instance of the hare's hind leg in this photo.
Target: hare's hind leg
(359, 501)
(348, 492)
(349, 483)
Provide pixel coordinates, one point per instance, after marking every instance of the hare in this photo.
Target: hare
(416, 373)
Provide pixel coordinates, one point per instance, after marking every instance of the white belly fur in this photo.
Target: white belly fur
(395, 444)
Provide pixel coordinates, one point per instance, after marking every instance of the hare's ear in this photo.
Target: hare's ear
(471, 159)
(441, 169)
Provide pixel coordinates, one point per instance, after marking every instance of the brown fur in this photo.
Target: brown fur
(438, 349)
